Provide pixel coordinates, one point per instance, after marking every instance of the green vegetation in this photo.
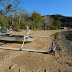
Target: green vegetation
(11, 14)
(64, 21)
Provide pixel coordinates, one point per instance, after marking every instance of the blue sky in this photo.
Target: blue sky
(48, 7)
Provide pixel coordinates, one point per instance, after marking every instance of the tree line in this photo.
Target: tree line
(12, 15)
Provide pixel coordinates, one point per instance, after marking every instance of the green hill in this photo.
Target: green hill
(57, 20)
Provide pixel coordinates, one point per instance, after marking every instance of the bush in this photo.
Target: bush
(53, 27)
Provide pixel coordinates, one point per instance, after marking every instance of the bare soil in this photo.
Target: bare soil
(23, 61)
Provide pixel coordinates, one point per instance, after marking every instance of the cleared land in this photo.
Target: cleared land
(23, 61)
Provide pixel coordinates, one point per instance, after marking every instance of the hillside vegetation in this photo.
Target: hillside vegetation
(12, 15)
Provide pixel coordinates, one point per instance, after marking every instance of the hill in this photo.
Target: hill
(57, 20)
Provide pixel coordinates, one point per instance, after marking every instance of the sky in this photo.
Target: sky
(48, 7)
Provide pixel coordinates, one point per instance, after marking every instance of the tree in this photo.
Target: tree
(10, 9)
(47, 22)
(57, 23)
(36, 17)
(3, 21)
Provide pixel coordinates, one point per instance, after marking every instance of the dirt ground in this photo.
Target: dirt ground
(23, 61)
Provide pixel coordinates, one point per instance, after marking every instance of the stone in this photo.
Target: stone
(45, 70)
(60, 62)
(70, 52)
(19, 70)
(43, 44)
(58, 70)
(4, 67)
(10, 67)
(68, 59)
(56, 58)
(60, 54)
(58, 49)
(2, 57)
(70, 64)
(50, 68)
(28, 56)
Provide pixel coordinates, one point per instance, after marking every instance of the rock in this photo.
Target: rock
(50, 68)
(42, 59)
(43, 44)
(52, 60)
(65, 71)
(70, 64)
(10, 66)
(68, 59)
(2, 57)
(60, 54)
(49, 65)
(44, 66)
(58, 48)
(57, 44)
(56, 58)
(58, 70)
(4, 67)
(45, 70)
(69, 52)
(19, 70)
(70, 43)
(60, 62)
(28, 56)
